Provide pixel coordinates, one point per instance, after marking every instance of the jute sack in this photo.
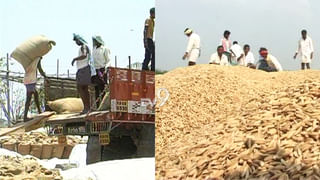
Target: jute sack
(9, 146)
(46, 151)
(31, 49)
(67, 151)
(24, 148)
(36, 150)
(66, 105)
(58, 151)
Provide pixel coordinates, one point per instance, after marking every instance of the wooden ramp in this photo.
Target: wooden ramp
(35, 123)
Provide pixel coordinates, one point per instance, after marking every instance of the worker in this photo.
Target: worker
(219, 57)
(83, 76)
(30, 79)
(101, 60)
(226, 43)
(193, 48)
(268, 62)
(148, 42)
(236, 53)
(305, 49)
(247, 59)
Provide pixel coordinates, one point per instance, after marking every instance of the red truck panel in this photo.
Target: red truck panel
(132, 93)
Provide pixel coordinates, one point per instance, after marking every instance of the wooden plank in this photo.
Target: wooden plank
(27, 125)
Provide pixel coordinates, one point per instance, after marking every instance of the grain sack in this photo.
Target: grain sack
(36, 150)
(57, 151)
(66, 105)
(31, 49)
(10, 146)
(46, 151)
(67, 151)
(24, 148)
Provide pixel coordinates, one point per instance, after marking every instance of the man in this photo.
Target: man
(237, 53)
(247, 59)
(268, 62)
(83, 76)
(148, 42)
(193, 48)
(219, 57)
(226, 43)
(305, 48)
(101, 60)
(30, 80)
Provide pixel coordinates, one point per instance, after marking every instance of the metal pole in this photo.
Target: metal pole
(8, 92)
(115, 59)
(129, 62)
(68, 74)
(57, 68)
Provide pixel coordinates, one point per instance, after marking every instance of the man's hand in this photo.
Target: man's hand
(73, 62)
(185, 56)
(295, 56)
(311, 56)
(239, 58)
(146, 46)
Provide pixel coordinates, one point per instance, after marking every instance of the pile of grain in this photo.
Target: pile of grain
(25, 168)
(238, 123)
(39, 145)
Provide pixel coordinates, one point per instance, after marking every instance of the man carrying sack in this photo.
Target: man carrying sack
(29, 55)
(83, 76)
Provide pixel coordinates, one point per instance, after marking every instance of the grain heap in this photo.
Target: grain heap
(232, 123)
(39, 145)
(12, 168)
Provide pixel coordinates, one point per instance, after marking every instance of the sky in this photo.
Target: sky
(120, 23)
(274, 24)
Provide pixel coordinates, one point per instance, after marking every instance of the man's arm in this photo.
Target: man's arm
(40, 69)
(146, 26)
(298, 50)
(84, 54)
(311, 47)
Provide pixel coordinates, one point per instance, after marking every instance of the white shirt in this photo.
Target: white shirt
(305, 47)
(85, 62)
(193, 43)
(246, 59)
(101, 57)
(216, 59)
(237, 50)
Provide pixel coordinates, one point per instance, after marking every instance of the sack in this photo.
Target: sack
(31, 49)
(24, 149)
(36, 150)
(46, 151)
(66, 105)
(57, 151)
(67, 151)
(9, 146)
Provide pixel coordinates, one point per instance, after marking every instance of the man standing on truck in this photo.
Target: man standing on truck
(83, 76)
(101, 60)
(148, 42)
(30, 79)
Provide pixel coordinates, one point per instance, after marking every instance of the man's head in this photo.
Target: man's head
(304, 34)
(153, 13)
(78, 39)
(246, 48)
(263, 52)
(188, 32)
(226, 34)
(220, 50)
(235, 42)
(97, 41)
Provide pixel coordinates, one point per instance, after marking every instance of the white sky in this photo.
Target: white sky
(274, 24)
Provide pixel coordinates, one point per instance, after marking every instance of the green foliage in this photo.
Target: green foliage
(160, 71)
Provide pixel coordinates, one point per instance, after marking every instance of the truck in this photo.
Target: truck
(126, 130)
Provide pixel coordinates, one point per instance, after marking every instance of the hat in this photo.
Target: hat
(98, 39)
(188, 31)
(152, 10)
(78, 37)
